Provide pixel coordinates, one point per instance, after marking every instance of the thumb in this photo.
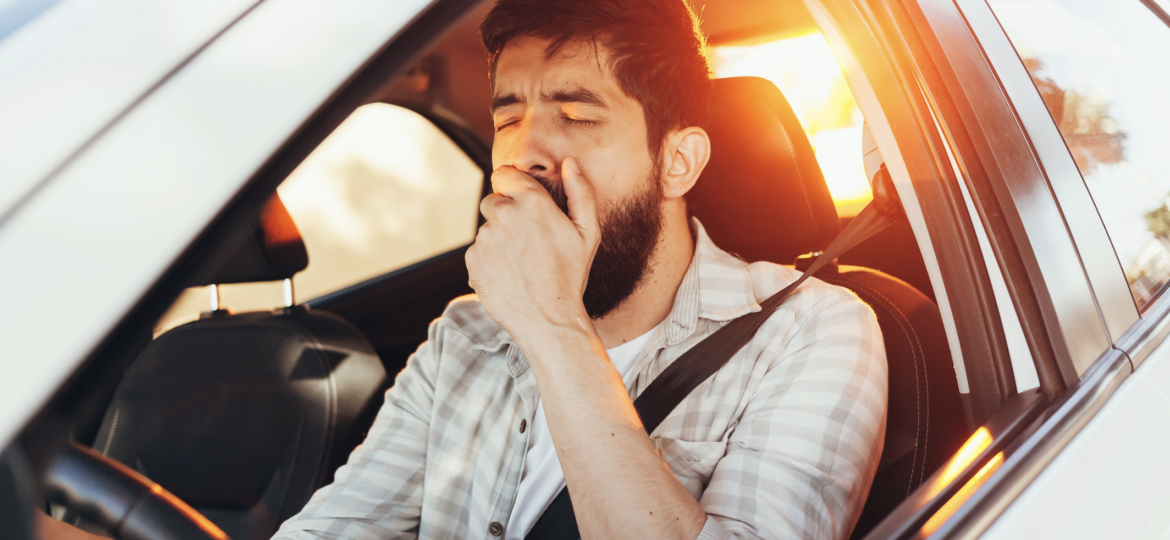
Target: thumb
(581, 197)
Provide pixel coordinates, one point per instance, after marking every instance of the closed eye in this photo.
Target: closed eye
(576, 122)
(506, 124)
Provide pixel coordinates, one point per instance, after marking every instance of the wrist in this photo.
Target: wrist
(550, 340)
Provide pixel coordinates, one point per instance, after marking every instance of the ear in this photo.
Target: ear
(685, 153)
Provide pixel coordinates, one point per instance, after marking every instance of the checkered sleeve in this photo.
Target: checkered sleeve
(377, 494)
(802, 457)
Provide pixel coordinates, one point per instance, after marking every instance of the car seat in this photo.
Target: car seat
(244, 416)
(762, 197)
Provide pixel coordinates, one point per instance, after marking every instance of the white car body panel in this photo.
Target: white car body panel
(1112, 479)
(120, 214)
(71, 71)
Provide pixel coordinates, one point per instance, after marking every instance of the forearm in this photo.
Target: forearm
(620, 486)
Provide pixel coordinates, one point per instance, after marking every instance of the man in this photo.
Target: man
(589, 281)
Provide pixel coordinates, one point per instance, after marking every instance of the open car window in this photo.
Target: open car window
(385, 190)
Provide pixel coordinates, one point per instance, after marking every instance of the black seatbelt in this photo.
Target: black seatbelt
(705, 358)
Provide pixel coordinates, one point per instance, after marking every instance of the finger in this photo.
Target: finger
(510, 181)
(582, 198)
(490, 205)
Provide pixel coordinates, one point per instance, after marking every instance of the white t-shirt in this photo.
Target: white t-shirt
(543, 478)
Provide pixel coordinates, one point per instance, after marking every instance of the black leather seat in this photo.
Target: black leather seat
(763, 197)
(244, 416)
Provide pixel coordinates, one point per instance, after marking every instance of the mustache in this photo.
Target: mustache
(556, 190)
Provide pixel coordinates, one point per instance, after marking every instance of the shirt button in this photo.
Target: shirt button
(495, 529)
(523, 425)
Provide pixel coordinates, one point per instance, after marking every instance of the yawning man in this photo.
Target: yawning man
(591, 279)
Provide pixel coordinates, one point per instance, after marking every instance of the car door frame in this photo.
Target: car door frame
(1008, 160)
(1132, 336)
(883, 82)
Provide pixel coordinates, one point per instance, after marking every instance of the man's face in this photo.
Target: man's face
(547, 109)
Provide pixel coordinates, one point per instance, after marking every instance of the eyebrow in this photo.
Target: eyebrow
(574, 95)
(577, 95)
(505, 100)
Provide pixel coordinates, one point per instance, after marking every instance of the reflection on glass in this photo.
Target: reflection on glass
(805, 70)
(386, 189)
(975, 445)
(961, 497)
(1101, 69)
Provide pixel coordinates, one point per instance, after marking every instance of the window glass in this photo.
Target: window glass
(385, 190)
(1101, 68)
(805, 70)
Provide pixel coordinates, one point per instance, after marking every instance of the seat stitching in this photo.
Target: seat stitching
(906, 327)
(110, 436)
(925, 377)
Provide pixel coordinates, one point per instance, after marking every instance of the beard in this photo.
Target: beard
(629, 233)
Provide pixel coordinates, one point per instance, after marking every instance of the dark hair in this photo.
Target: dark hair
(656, 50)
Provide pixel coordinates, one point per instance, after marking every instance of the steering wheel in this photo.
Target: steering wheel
(122, 501)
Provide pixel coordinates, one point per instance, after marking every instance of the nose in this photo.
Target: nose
(528, 149)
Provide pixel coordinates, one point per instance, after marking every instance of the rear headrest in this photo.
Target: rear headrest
(271, 251)
(762, 195)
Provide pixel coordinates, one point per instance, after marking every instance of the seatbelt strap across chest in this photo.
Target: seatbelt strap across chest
(702, 361)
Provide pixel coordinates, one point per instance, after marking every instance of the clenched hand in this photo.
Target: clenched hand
(530, 263)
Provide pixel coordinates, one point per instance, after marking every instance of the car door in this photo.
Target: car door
(1095, 68)
(1023, 177)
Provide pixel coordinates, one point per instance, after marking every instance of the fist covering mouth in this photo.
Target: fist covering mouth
(630, 229)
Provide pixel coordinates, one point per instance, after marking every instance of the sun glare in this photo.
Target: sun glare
(943, 514)
(805, 70)
(973, 448)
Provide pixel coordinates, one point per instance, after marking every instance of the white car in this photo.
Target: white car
(141, 143)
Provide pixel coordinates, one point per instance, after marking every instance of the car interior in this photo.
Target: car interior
(243, 406)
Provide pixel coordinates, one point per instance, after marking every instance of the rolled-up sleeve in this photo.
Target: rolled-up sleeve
(802, 458)
(377, 494)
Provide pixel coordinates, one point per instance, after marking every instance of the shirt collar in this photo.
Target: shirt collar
(716, 286)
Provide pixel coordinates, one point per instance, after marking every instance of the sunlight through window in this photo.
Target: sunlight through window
(805, 70)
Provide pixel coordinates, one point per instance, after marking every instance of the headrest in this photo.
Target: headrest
(762, 195)
(271, 250)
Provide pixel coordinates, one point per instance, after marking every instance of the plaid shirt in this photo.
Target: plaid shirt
(782, 442)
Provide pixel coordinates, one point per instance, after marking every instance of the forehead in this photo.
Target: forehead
(525, 68)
